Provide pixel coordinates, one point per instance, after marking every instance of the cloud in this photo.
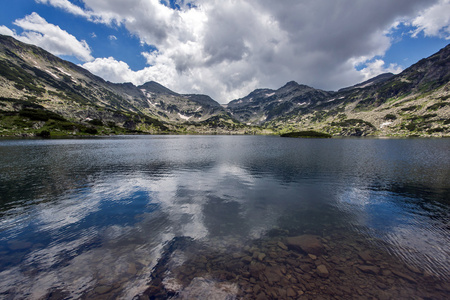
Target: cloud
(6, 31)
(434, 21)
(377, 67)
(110, 69)
(227, 48)
(67, 6)
(37, 31)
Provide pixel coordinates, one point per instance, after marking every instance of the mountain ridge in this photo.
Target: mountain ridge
(32, 77)
(29, 73)
(414, 102)
(377, 79)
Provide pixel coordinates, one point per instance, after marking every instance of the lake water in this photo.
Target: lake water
(211, 216)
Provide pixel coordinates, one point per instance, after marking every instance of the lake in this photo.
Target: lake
(224, 217)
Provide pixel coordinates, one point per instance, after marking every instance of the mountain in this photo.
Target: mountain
(414, 102)
(41, 94)
(263, 105)
(33, 79)
(156, 88)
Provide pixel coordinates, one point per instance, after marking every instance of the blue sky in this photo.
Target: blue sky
(227, 48)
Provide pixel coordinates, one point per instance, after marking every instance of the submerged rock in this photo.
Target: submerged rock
(291, 293)
(282, 246)
(366, 256)
(322, 271)
(369, 269)
(102, 289)
(202, 288)
(312, 256)
(311, 244)
(404, 276)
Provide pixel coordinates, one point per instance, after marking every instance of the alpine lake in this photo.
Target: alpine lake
(224, 217)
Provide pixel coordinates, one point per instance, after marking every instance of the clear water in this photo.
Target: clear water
(79, 214)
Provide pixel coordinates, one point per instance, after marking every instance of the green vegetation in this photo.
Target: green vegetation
(352, 122)
(43, 134)
(21, 78)
(438, 105)
(40, 115)
(342, 116)
(96, 122)
(437, 129)
(306, 134)
(34, 120)
(409, 108)
(393, 89)
(390, 117)
(424, 124)
(278, 109)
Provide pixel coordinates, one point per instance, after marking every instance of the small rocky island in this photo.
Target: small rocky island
(306, 134)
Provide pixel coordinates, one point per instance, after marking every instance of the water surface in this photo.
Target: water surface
(87, 217)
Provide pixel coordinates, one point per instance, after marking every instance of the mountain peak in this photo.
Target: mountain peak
(155, 87)
(291, 83)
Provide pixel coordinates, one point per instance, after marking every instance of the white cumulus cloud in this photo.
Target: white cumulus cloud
(37, 31)
(434, 21)
(110, 69)
(377, 67)
(6, 31)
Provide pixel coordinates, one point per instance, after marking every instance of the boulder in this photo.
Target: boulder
(310, 244)
(282, 246)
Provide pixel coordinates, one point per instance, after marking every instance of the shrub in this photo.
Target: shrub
(438, 129)
(409, 108)
(390, 117)
(411, 126)
(352, 122)
(96, 122)
(436, 106)
(90, 130)
(427, 116)
(43, 134)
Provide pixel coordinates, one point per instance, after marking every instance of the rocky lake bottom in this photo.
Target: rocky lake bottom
(307, 266)
(302, 267)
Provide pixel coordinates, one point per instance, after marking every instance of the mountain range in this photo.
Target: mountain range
(41, 94)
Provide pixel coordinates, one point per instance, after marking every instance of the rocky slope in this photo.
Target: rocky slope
(414, 102)
(263, 105)
(33, 79)
(41, 94)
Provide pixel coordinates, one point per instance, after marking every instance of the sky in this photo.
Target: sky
(228, 48)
